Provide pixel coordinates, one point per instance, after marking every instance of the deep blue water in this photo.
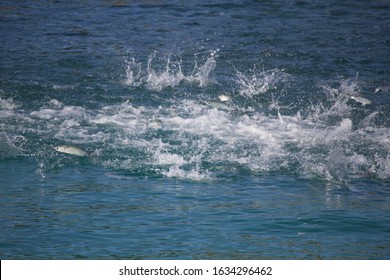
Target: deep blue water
(296, 165)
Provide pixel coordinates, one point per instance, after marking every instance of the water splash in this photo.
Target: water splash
(11, 145)
(202, 74)
(259, 82)
(166, 72)
(334, 139)
(133, 73)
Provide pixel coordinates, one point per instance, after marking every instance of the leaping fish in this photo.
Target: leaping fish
(361, 100)
(382, 89)
(71, 150)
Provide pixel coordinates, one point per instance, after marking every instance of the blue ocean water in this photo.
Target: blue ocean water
(215, 129)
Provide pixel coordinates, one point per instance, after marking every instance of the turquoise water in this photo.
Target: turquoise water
(295, 165)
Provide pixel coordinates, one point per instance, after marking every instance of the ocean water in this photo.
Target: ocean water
(295, 165)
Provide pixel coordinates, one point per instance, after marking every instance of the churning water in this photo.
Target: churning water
(214, 129)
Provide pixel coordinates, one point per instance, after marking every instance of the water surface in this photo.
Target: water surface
(295, 166)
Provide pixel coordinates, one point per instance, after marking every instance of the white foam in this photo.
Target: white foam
(382, 169)
(7, 104)
(193, 174)
(45, 114)
(339, 132)
(55, 103)
(67, 111)
(7, 108)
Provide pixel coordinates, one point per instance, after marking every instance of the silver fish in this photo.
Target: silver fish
(382, 89)
(217, 105)
(71, 150)
(361, 100)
